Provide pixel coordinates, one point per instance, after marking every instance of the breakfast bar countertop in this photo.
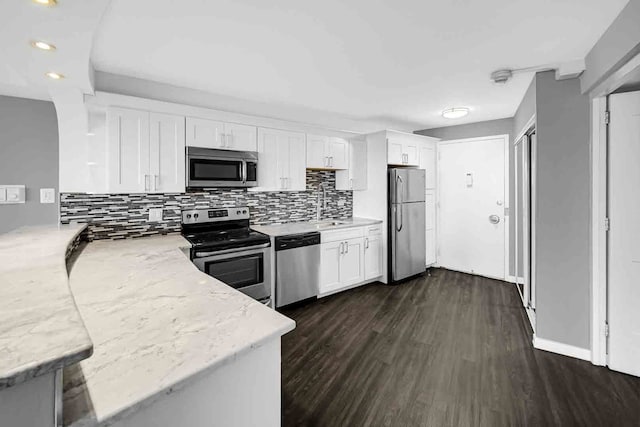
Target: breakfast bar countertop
(40, 328)
(157, 324)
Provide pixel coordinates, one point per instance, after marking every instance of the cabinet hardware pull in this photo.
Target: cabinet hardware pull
(366, 243)
(146, 182)
(156, 181)
(346, 247)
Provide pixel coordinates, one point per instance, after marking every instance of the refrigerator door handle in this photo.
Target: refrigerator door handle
(400, 195)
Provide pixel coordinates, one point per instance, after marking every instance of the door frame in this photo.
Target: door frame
(506, 204)
(529, 238)
(599, 205)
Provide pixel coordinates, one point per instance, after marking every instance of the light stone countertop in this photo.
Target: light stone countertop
(40, 328)
(307, 227)
(157, 323)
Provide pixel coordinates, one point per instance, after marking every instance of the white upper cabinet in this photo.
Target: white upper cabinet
(240, 137)
(167, 155)
(428, 162)
(338, 153)
(403, 149)
(145, 152)
(128, 151)
(282, 156)
(354, 178)
(225, 136)
(324, 152)
(204, 133)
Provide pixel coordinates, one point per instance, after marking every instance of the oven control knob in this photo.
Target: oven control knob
(195, 216)
(188, 216)
(238, 212)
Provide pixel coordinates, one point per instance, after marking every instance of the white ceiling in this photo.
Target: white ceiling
(70, 26)
(405, 60)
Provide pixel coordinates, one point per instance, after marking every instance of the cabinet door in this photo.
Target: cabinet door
(338, 152)
(205, 133)
(428, 163)
(240, 137)
(355, 178)
(316, 156)
(128, 151)
(352, 262)
(269, 151)
(166, 153)
(372, 257)
(294, 163)
(395, 151)
(411, 151)
(330, 257)
(430, 227)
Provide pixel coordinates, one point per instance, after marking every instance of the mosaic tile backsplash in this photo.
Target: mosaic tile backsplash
(120, 216)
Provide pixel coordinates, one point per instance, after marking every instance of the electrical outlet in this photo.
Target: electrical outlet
(47, 195)
(341, 202)
(155, 214)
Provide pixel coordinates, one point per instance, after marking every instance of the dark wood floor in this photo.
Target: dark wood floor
(445, 350)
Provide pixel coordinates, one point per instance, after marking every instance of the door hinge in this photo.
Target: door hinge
(607, 117)
(607, 224)
(606, 329)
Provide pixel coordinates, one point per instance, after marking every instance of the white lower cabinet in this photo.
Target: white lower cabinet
(372, 256)
(349, 257)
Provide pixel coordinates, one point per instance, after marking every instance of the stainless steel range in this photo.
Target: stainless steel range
(224, 247)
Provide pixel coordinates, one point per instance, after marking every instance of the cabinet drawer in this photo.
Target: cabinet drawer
(373, 230)
(342, 234)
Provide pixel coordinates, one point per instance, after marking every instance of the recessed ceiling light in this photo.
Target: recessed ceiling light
(42, 45)
(455, 113)
(54, 76)
(46, 2)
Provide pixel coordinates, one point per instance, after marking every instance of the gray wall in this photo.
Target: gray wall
(28, 156)
(562, 212)
(617, 45)
(488, 128)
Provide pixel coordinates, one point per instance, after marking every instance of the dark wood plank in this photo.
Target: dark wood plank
(446, 350)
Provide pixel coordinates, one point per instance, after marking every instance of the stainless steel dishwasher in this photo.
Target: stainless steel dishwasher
(297, 267)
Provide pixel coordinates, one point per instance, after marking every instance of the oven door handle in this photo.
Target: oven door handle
(228, 251)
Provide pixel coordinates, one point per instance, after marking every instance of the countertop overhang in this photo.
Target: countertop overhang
(276, 230)
(40, 328)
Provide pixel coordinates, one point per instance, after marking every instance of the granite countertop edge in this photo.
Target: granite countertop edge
(16, 375)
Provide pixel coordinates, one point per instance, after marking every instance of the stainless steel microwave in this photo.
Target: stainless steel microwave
(210, 168)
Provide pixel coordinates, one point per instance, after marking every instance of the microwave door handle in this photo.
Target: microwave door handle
(243, 172)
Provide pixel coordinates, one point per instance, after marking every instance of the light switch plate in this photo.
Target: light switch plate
(47, 195)
(155, 214)
(12, 194)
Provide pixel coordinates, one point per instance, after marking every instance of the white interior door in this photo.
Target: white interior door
(624, 233)
(472, 198)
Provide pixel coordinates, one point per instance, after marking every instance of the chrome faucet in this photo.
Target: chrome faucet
(322, 186)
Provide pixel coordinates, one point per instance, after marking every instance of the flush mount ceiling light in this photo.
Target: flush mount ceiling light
(46, 2)
(39, 44)
(54, 76)
(455, 113)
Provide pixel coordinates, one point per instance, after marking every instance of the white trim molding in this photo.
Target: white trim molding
(563, 349)
(598, 231)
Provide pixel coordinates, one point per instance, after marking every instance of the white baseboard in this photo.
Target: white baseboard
(564, 349)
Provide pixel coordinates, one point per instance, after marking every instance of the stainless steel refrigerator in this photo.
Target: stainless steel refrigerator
(406, 223)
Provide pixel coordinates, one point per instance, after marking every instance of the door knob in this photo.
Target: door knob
(494, 219)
